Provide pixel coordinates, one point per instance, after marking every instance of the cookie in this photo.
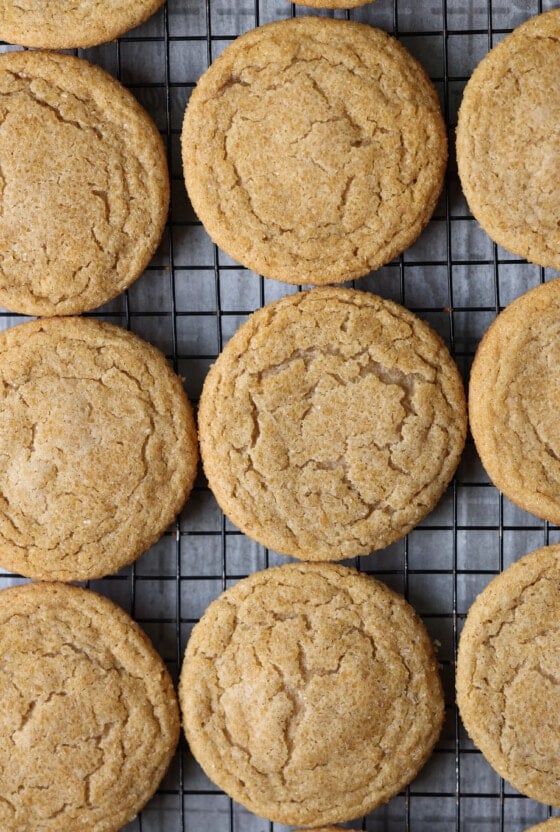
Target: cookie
(70, 24)
(552, 825)
(310, 693)
(314, 150)
(98, 448)
(507, 151)
(328, 829)
(513, 401)
(84, 187)
(508, 688)
(333, 4)
(331, 424)
(89, 719)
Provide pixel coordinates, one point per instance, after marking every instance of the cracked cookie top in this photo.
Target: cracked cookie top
(508, 151)
(70, 24)
(508, 674)
(98, 448)
(310, 693)
(331, 424)
(84, 187)
(514, 394)
(87, 706)
(314, 150)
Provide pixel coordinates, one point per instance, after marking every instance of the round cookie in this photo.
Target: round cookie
(507, 674)
(552, 825)
(331, 424)
(314, 150)
(513, 401)
(89, 719)
(84, 188)
(98, 448)
(70, 24)
(507, 151)
(310, 693)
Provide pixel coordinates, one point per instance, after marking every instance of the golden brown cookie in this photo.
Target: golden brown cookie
(508, 682)
(552, 825)
(507, 148)
(314, 150)
(331, 424)
(69, 24)
(98, 448)
(89, 719)
(513, 401)
(310, 693)
(84, 187)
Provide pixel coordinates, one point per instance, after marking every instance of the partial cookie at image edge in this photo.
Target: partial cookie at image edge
(85, 185)
(98, 448)
(511, 400)
(506, 688)
(507, 162)
(314, 190)
(51, 26)
(311, 644)
(88, 703)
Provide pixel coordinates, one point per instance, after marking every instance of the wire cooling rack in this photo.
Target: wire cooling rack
(189, 302)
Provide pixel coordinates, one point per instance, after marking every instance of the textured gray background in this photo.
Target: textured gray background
(193, 297)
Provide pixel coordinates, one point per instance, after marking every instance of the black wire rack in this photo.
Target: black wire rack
(193, 297)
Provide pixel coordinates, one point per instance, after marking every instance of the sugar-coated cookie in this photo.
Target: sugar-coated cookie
(98, 448)
(514, 392)
(508, 688)
(84, 187)
(310, 693)
(314, 149)
(70, 24)
(507, 147)
(331, 424)
(89, 719)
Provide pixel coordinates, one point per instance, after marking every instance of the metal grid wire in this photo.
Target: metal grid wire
(189, 302)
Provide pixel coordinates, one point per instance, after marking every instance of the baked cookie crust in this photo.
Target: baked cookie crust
(84, 187)
(333, 4)
(507, 674)
(98, 448)
(513, 401)
(314, 150)
(70, 24)
(90, 719)
(507, 149)
(310, 693)
(331, 424)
